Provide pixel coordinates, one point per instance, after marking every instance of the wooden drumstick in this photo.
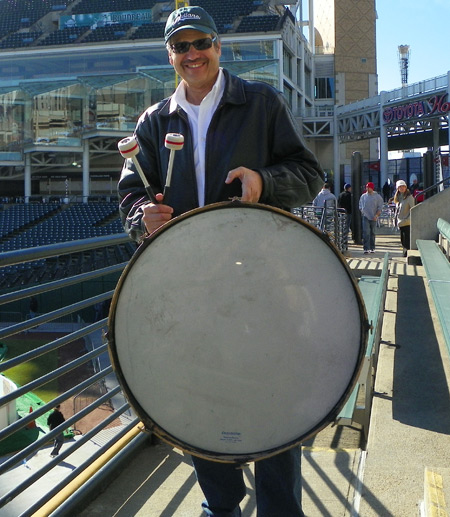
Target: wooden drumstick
(174, 142)
(129, 148)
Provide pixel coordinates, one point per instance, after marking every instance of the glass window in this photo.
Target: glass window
(308, 87)
(245, 51)
(12, 118)
(287, 63)
(56, 116)
(287, 90)
(324, 88)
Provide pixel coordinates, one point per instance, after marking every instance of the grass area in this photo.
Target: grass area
(35, 368)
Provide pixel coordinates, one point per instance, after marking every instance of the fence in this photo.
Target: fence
(91, 389)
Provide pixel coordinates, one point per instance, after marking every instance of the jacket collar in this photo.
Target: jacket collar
(233, 94)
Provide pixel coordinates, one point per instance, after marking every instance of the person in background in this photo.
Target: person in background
(240, 140)
(404, 201)
(324, 196)
(413, 188)
(55, 419)
(33, 307)
(345, 202)
(387, 191)
(370, 205)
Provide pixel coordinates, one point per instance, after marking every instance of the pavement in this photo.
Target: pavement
(403, 470)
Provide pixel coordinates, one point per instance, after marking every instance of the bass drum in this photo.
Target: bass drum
(237, 331)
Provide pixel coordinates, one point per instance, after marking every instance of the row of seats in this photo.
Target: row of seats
(64, 36)
(20, 39)
(17, 216)
(10, 23)
(224, 19)
(108, 33)
(149, 31)
(19, 14)
(259, 23)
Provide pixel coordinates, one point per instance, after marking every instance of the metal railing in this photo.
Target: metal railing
(432, 190)
(117, 430)
(330, 220)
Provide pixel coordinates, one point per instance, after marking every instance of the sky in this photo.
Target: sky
(424, 25)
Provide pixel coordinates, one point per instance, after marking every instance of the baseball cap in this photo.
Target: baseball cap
(346, 186)
(191, 17)
(400, 183)
(370, 185)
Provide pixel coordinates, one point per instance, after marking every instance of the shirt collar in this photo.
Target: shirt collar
(179, 96)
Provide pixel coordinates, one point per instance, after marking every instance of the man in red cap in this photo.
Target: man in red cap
(370, 204)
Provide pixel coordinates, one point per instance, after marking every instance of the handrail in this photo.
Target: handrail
(428, 189)
(444, 228)
(10, 258)
(119, 418)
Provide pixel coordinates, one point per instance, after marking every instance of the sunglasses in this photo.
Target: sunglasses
(181, 47)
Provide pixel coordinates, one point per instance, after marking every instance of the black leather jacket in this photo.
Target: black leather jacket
(252, 127)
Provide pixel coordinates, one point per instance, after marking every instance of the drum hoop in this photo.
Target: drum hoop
(150, 424)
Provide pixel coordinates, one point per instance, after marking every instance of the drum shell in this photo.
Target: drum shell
(231, 283)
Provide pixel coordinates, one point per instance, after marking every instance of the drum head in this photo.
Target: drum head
(237, 331)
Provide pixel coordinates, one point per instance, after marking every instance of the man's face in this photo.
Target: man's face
(198, 68)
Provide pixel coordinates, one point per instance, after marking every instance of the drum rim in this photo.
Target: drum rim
(152, 426)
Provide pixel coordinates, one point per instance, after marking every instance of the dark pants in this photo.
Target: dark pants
(277, 482)
(57, 444)
(405, 236)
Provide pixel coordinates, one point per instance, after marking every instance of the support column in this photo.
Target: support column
(437, 171)
(448, 115)
(27, 179)
(336, 156)
(357, 168)
(384, 161)
(86, 185)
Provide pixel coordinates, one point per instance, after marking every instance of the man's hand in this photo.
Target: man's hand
(252, 183)
(156, 215)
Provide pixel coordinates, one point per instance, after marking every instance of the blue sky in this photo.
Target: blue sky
(424, 25)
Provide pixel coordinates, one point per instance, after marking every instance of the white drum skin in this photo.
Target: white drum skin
(237, 331)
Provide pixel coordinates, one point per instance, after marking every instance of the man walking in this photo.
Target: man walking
(54, 420)
(370, 205)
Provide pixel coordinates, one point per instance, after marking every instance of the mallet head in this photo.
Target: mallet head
(128, 147)
(174, 141)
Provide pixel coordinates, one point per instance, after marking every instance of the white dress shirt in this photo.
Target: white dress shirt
(199, 119)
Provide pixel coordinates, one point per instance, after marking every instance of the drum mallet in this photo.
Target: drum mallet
(129, 148)
(174, 142)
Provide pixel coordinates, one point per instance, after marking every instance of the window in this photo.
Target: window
(324, 88)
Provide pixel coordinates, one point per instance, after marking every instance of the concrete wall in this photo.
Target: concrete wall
(424, 217)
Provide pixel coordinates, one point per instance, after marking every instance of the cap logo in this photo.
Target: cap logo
(186, 16)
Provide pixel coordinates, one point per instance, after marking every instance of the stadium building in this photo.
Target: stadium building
(75, 76)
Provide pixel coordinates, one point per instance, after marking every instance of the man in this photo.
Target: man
(414, 187)
(325, 197)
(240, 140)
(54, 420)
(345, 202)
(370, 205)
